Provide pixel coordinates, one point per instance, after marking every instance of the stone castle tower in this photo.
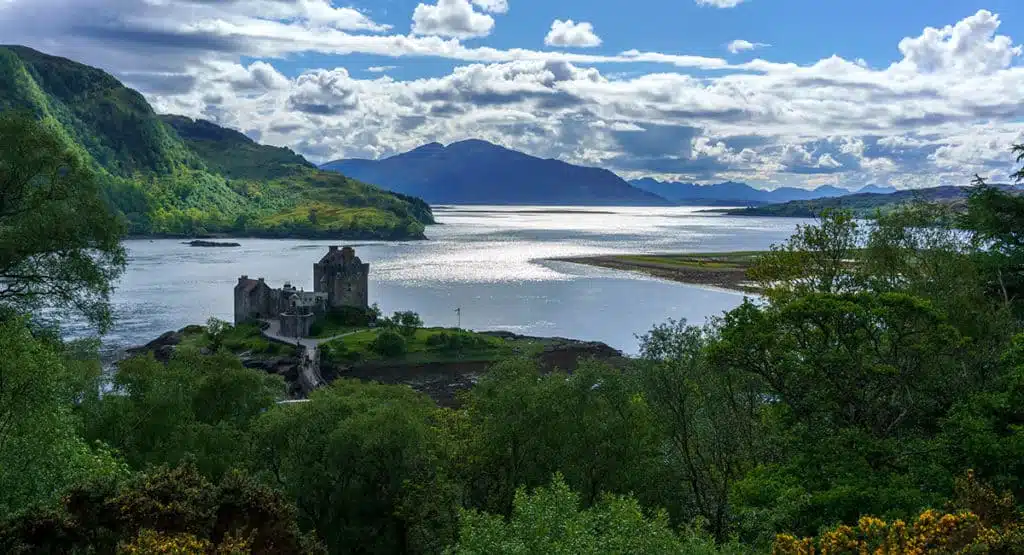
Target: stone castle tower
(343, 277)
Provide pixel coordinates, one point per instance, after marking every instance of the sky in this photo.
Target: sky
(909, 93)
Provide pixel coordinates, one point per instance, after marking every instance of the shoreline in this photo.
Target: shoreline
(300, 236)
(720, 270)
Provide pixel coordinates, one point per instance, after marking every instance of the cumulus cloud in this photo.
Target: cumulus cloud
(949, 107)
(493, 6)
(451, 18)
(970, 46)
(570, 33)
(720, 3)
(380, 69)
(740, 45)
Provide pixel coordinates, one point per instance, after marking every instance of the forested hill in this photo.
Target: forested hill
(862, 204)
(171, 175)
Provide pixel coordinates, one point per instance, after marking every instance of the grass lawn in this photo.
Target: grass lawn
(237, 339)
(331, 329)
(358, 347)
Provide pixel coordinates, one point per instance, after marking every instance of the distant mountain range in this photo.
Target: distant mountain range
(733, 193)
(863, 205)
(478, 172)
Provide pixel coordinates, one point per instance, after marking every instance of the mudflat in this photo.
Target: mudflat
(725, 270)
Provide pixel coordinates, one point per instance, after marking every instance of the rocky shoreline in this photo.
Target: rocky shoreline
(441, 381)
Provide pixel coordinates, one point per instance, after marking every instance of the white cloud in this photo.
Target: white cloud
(739, 45)
(720, 3)
(493, 6)
(451, 18)
(380, 69)
(570, 33)
(948, 108)
(970, 46)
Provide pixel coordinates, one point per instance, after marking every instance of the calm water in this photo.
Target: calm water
(491, 261)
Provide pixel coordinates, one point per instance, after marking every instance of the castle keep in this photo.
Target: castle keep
(339, 280)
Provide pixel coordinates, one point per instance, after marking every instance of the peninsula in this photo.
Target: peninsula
(723, 270)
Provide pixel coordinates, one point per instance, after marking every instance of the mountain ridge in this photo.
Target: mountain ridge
(212, 180)
(474, 171)
(732, 192)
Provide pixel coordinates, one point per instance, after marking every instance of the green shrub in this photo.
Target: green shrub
(338, 352)
(389, 343)
(456, 342)
(406, 322)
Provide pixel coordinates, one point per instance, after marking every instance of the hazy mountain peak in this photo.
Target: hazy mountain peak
(475, 171)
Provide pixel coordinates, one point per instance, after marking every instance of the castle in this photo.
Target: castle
(339, 280)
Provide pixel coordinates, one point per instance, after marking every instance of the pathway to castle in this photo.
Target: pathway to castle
(310, 378)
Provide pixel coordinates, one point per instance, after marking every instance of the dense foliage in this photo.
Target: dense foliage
(172, 175)
(870, 401)
(59, 243)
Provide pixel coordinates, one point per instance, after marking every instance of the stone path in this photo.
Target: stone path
(309, 375)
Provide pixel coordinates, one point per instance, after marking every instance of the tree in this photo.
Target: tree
(996, 219)
(41, 451)
(194, 407)
(709, 415)
(406, 322)
(859, 384)
(389, 343)
(59, 240)
(177, 505)
(550, 520)
(361, 460)
(592, 426)
(815, 258)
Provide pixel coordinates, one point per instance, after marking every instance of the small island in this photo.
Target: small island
(203, 243)
(312, 338)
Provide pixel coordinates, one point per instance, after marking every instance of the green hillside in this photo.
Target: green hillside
(862, 204)
(171, 175)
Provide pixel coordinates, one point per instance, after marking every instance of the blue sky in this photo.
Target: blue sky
(799, 31)
(911, 93)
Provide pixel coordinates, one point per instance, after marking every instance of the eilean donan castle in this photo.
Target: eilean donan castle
(339, 281)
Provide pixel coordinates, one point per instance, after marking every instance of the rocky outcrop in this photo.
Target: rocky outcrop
(200, 243)
(286, 366)
(162, 347)
(443, 381)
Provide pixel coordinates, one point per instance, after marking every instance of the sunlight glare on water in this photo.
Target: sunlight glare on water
(493, 262)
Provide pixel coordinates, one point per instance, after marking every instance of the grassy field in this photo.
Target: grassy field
(726, 270)
(419, 348)
(243, 338)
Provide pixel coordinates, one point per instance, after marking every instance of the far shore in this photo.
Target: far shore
(726, 270)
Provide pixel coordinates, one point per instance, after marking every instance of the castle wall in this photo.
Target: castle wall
(344, 277)
(296, 325)
(253, 299)
(350, 288)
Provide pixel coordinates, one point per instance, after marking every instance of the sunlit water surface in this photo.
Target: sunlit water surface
(493, 262)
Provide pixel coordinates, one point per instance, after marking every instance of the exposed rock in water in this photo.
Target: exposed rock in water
(201, 243)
